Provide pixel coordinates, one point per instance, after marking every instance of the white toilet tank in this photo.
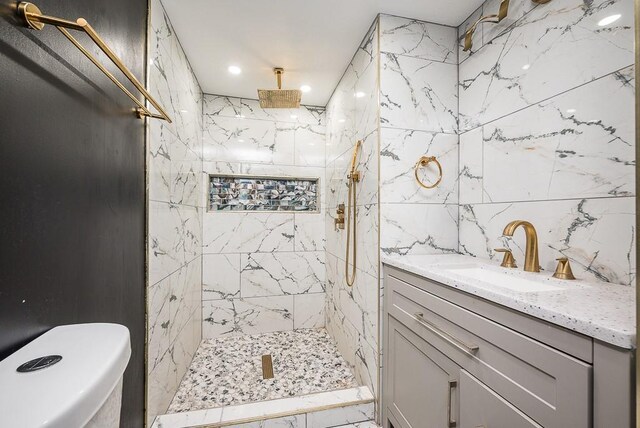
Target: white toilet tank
(69, 377)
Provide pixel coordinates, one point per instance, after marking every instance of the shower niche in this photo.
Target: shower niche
(263, 193)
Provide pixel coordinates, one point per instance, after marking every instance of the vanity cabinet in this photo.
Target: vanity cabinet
(455, 360)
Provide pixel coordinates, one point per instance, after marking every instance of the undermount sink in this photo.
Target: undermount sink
(487, 278)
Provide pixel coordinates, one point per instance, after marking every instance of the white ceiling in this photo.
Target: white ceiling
(313, 40)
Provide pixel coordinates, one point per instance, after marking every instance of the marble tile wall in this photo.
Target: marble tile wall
(262, 271)
(352, 114)
(547, 135)
(175, 216)
(419, 117)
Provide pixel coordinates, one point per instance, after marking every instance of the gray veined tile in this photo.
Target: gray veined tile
(577, 145)
(281, 273)
(597, 235)
(471, 167)
(418, 94)
(220, 276)
(400, 151)
(308, 310)
(247, 316)
(310, 145)
(554, 48)
(247, 232)
(418, 229)
(247, 140)
(418, 39)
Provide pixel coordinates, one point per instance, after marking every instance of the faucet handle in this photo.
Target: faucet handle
(508, 261)
(563, 271)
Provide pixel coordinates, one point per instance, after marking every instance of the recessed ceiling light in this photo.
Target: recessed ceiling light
(360, 94)
(526, 66)
(305, 88)
(342, 120)
(609, 20)
(234, 69)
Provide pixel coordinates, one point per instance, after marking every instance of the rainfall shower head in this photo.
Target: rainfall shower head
(279, 98)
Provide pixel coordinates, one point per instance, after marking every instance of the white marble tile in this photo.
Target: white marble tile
(418, 39)
(247, 316)
(308, 310)
(158, 323)
(477, 35)
(597, 235)
(310, 145)
(525, 65)
(162, 385)
(418, 229)
(367, 225)
(309, 232)
(400, 150)
(340, 416)
(247, 232)
(220, 276)
(577, 145)
(418, 94)
(220, 105)
(185, 296)
(281, 273)
(247, 140)
(471, 167)
(175, 238)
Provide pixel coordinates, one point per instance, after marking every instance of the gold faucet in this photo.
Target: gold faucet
(531, 261)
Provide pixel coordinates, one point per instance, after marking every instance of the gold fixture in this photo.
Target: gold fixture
(541, 1)
(531, 263)
(507, 261)
(267, 367)
(353, 177)
(338, 222)
(502, 13)
(563, 270)
(34, 19)
(279, 98)
(424, 161)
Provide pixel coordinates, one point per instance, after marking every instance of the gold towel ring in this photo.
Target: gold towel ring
(423, 162)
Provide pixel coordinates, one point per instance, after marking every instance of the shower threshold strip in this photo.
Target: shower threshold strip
(343, 406)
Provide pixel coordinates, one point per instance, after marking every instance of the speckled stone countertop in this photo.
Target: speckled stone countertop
(603, 311)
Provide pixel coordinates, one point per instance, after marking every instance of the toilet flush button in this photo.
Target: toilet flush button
(39, 363)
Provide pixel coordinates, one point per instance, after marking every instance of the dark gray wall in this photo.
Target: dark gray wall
(72, 180)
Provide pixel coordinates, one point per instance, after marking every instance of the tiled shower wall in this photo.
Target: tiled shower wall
(175, 216)
(419, 117)
(262, 271)
(352, 114)
(547, 135)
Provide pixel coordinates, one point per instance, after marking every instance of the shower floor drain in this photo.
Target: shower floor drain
(267, 367)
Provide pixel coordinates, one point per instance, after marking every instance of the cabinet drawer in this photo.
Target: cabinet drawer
(552, 388)
(481, 407)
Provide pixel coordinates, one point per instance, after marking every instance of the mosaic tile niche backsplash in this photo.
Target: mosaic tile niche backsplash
(240, 193)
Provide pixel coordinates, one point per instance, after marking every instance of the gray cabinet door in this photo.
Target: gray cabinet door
(422, 382)
(480, 407)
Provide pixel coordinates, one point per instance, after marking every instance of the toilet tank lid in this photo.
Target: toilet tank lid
(68, 393)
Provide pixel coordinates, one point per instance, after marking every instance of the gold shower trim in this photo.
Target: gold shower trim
(35, 20)
(353, 178)
(502, 13)
(424, 161)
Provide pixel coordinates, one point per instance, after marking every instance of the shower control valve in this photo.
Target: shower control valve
(339, 220)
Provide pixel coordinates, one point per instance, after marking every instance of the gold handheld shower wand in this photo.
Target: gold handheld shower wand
(353, 178)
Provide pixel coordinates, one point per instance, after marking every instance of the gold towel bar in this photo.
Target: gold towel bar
(34, 19)
(424, 161)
